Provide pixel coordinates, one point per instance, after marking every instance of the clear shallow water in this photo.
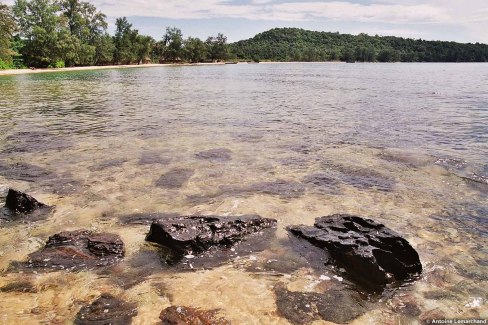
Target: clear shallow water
(404, 143)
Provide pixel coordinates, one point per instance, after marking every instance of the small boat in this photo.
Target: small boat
(233, 62)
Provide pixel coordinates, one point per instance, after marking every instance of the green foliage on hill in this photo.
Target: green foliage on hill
(293, 44)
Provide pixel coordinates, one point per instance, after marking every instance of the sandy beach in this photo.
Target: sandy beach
(47, 70)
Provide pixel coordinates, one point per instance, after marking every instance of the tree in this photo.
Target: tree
(217, 47)
(88, 26)
(144, 45)
(194, 50)
(124, 40)
(47, 38)
(7, 29)
(173, 44)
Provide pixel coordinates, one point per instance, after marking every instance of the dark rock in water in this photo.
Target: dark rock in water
(219, 154)
(22, 287)
(372, 254)
(144, 218)
(175, 178)
(21, 208)
(196, 234)
(77, 250)
(21, 202)
(106, 310)
(338, 306)
(191, 316)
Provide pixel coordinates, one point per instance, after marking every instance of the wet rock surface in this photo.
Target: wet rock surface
(180, 315)
(338, 306)
(191, 235)
(372, 254)
(175, 178)
(21, 207)
(76, 250)
(107, 309)
(217, 155)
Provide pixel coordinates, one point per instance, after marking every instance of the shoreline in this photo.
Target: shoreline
(12, 72)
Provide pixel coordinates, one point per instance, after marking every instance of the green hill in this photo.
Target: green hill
(294, 44)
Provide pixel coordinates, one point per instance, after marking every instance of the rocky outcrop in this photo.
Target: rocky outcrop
(190, 316)
(22, 203)
(197, 234)
(371, 253)
(77, 250)
(22, 208)
(106, 310)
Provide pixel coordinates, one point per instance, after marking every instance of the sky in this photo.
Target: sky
(450, 20)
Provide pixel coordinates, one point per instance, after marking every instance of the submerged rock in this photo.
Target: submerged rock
(25, 172)
(371, 253)
(191, 316)
(219, 154)
(196, 234)
(152, 158)
(175, 178)
(338, 306)
(106, 310)
(77, 250)
(107, 164)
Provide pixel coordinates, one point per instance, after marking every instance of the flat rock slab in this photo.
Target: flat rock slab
(76, 250)
(107, 309)
(191, 316)
(175, 178)
(372, 254)
(189, 235)
(338, 306)
(21, 207)
(218, 154)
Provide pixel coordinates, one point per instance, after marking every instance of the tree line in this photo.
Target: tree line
(293, 44)
(66, 33)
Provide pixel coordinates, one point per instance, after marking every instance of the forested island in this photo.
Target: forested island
(68, 33)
